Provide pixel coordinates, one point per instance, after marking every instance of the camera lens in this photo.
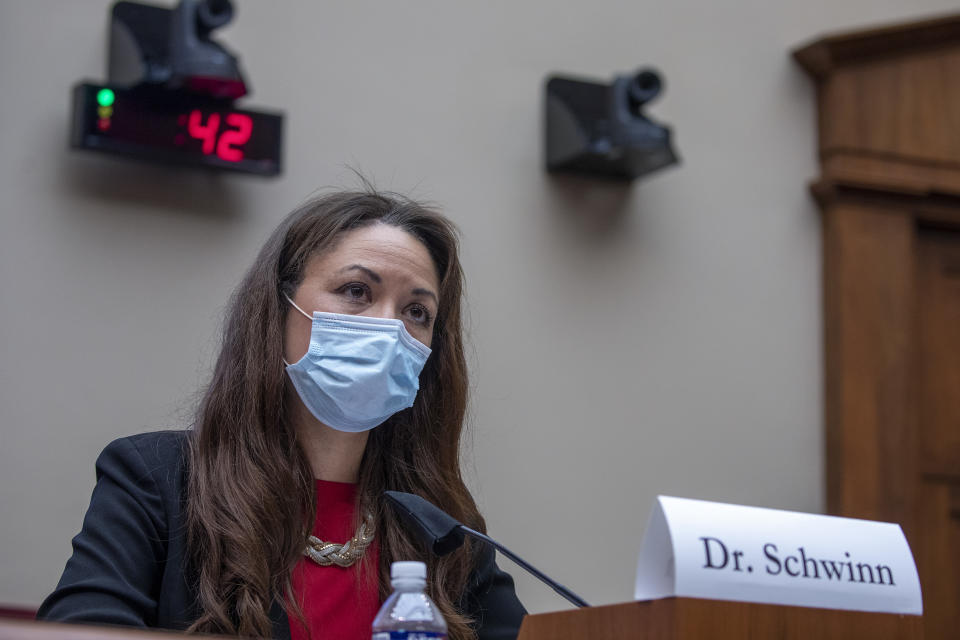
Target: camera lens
(213, 14)
(644, 87)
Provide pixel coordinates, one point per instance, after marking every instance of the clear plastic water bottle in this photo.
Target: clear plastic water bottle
(409, 613)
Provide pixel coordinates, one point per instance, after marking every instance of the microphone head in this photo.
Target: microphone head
(436, 529)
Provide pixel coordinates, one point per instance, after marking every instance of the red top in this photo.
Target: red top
(338, 603)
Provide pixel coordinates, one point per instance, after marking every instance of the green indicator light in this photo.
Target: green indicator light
(105, 97)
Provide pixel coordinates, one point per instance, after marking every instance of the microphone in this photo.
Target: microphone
(442, 535)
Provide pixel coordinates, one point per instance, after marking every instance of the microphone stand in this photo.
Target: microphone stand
(556, 586)
(443, 534)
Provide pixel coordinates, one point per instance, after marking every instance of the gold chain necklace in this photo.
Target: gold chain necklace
(342, 555)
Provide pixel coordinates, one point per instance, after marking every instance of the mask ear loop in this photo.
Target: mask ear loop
(307, 315)
(295, 306)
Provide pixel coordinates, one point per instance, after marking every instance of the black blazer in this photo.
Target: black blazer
(129, 562)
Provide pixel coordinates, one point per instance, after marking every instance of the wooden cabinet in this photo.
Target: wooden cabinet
(889, 192)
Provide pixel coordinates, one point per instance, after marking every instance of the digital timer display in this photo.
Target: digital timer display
(176, 127)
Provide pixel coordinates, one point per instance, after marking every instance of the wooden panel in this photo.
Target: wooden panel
(938, 345)
(937, 553)
(937, 545)
(692, 619)
(868, 302)
(889, 112)
(889, 105)
(903, 108)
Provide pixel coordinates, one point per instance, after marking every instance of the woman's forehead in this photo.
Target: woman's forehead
(377, 247)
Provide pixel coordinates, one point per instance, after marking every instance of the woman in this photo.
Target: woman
(341, 375)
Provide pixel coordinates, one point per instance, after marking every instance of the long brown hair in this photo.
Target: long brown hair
(250, 490)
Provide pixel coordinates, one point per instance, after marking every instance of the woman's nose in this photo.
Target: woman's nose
(382, 310)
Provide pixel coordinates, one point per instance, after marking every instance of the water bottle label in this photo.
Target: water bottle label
(409, 635)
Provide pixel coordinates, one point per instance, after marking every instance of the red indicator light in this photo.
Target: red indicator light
(205, 132)
(217, 86)
(103, 124)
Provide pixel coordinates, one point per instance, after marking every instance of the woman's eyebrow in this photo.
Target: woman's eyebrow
(426, 292)
(373, 275)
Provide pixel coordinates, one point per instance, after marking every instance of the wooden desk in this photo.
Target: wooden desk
(12, 629)
(695, 619)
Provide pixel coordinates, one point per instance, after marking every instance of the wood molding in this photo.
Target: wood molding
(934, 209)
(897, 175)
(825, 55)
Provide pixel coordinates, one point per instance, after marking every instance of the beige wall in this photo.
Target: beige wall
(673, 347)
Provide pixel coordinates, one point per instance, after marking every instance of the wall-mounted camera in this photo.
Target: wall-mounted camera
(170, 94)
(172, 48)
(600, 129)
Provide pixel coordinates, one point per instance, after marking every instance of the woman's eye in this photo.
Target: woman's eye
(356, 291)
(420, 314)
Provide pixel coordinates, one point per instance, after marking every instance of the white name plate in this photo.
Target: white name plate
(719, 551)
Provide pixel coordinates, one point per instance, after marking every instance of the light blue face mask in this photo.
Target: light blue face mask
(358, 371)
